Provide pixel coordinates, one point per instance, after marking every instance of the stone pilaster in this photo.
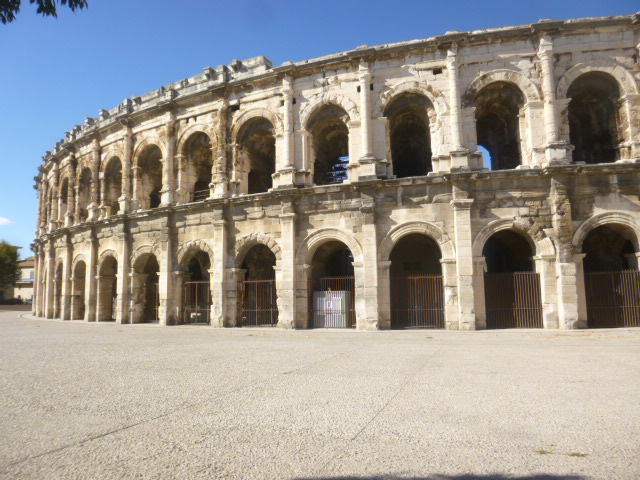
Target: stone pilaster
(546, 268)
(384, 294)
(285, 175)
(369, 289)
(122, 287)
(67, 293)
(286, 277)
(166, 311)
(565, 266)
(71, 193)
(464, 260)
(367, 168)
(167, 164)
(233, 293)
(90, 283)
(53, 186)
(94, 207)
(218, 270)
(219, 174)
(556, 151)
(125, 194)
(578, 260)
(479, 268)
(49, 281)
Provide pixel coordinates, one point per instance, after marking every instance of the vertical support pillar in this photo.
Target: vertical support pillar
(479, 267)
(464, 260)
(370, 320)
(219, 174)
(545, 267)
(71, 192)
(38, 300)
(167, 164)
(366, 162)
(65, 301)
(125, 194)
(286, 171)
(43, 206)
(166, 314)
(53, 216)
(219, 317)
(556, 150)
(90, 282)
(122, 287)
(233, 281)
(286, 284)
(384, 294)
(49, 281)
(182, 189)
(454, 99)
(93, 208)
(578, 260)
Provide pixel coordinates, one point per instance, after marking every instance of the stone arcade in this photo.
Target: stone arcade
(349, 190)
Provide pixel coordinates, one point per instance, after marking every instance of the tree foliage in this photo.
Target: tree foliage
(47, 8)
(9, 269)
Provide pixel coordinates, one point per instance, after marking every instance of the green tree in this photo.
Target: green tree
(47, 8)
(9, 270)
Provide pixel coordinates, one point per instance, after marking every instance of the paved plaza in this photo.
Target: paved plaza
(87, 400)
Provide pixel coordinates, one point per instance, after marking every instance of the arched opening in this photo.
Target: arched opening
(258, 286)
(409, 134)
(332, 287)
(151, 176)
(146, 292)
(199, 163)
(511, 285)
(107, 289)
(417, 288)
(612, 279)
(57, 295)
(257, 155)
(78, 288)
(196, 291)
(84, 194)
(593, 118)
(498, 106)
(330, 144)
(112, 186)
(64, 199)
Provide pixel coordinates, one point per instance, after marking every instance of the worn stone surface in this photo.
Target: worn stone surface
(247, 154)
(191, 402)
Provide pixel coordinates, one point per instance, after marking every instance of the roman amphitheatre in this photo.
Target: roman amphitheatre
(474, 180)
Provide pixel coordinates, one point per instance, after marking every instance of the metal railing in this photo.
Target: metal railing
(513, 300)
(259, 304)
(613, 299)
(332, 302)
(200, 195)
(417, 302)
(196, 303)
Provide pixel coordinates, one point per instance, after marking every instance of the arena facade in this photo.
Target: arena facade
(349, 190)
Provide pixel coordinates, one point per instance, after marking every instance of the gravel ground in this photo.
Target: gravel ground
(105, 401)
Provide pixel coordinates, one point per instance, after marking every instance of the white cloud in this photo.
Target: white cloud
(5, 221)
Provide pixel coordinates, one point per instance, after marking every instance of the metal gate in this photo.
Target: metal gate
(259, 303)
(513, 300)
(613, 299)
(417, 302)
(332, 302)
(196, 303)
(151, 312)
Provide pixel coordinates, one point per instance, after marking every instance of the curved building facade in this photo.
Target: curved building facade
(473, 180)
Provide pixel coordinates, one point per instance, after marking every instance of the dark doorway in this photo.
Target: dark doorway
(258, 290)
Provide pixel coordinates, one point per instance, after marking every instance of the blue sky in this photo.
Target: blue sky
(54, 73)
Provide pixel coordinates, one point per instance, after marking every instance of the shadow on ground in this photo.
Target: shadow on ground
(453, 477)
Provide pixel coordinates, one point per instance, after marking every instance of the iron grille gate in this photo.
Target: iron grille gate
(152, 312)
(196, 303)
(417, 302)
(613, 299)
(332, 302)
(259, 303)
(513, 300)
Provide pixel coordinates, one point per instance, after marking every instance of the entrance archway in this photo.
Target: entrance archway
(259, 307)
(332, 287)
(417, 289)
(146, 293)
(78, 287)
(611, 277)
(196, 291)
(511, 285)
(107, 289)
